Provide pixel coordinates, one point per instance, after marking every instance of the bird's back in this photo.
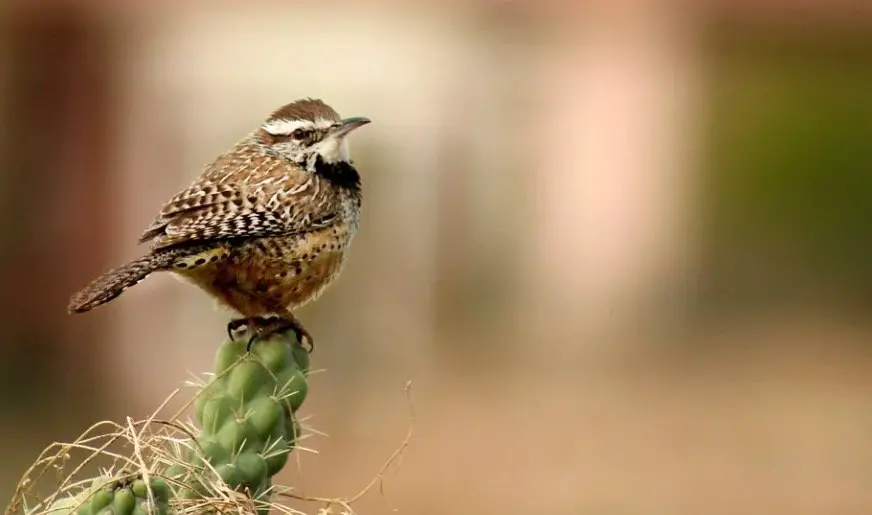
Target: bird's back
(247, 193)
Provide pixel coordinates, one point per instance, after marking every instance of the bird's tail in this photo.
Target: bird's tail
(114, 282)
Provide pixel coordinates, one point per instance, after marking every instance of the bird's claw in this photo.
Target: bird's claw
(304, 336)
(264, 327)
(235, 325)
(250, 342)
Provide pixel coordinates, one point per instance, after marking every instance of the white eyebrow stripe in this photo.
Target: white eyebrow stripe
(282, 127)
(323, 123)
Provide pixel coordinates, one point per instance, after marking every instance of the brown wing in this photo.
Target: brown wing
(243, 194)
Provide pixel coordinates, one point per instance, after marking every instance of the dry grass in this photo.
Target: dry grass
(145, 449)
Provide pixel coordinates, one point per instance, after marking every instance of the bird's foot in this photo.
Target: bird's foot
(263, 327)
(237, 326)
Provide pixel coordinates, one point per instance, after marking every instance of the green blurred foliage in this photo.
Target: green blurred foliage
(789, 179)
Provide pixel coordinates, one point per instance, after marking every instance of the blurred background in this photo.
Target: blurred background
(620, 247)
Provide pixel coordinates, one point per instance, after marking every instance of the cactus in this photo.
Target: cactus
(125, 497)
(245, 428)
(246, 415)
(109, 495)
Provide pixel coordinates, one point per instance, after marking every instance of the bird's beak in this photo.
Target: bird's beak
(349, 124)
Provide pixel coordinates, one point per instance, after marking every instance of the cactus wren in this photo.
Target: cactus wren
(264, 228)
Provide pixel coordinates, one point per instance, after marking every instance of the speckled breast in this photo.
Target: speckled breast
(289, 271)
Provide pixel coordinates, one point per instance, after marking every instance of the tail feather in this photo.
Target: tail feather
(114, 282)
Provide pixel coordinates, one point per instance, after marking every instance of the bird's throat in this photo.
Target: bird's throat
(341, 173)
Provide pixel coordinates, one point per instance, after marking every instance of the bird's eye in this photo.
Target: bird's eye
(299, 134)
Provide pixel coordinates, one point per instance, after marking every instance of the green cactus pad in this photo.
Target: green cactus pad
(265, 413)
(124, 502)
(247, 412)
(114, 496)
(100, 500)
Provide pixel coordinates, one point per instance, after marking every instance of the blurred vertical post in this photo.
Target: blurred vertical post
(612, 177)
(57, 146)
(55, 151)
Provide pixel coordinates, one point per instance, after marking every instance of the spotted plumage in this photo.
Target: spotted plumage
(264, 228)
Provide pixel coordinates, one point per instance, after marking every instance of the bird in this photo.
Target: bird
(264, 228)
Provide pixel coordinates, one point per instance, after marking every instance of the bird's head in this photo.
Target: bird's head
(307, 128)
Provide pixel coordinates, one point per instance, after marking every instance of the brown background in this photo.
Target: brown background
(619, 247)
